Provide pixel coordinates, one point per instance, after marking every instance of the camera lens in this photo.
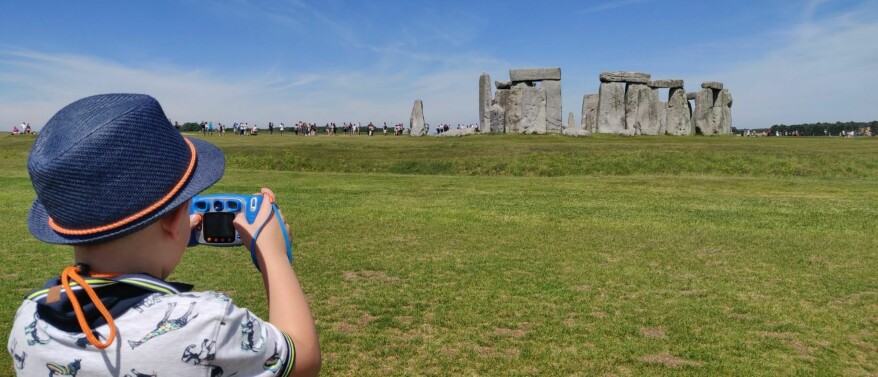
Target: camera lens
(232, 205)
(218, 206)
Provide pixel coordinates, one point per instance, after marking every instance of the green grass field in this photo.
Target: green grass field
(547, 255)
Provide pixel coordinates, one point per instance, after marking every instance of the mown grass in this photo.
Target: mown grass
(520, 255)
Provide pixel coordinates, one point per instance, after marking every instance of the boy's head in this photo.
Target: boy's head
(109, 165)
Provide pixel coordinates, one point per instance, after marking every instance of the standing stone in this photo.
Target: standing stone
(533, 110)
(513, 111)
(641, 114)
(727, 112)
(662, 108)
(721, 114)
(703, 116)
(416, 121)
(678, 113)
(611, 108)
(590, 112)
(553, 105)
(484, 101)
(498, 119)
(570, 122)
(501, 97)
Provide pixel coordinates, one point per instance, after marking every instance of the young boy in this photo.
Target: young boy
(114, 179)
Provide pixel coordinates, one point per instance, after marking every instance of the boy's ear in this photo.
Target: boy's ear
(171, 221)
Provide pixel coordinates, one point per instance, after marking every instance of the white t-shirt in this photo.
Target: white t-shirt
(165, 334)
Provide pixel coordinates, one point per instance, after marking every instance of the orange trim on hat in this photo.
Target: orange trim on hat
(138, 215)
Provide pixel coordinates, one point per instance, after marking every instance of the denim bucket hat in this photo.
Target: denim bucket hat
(109, 165)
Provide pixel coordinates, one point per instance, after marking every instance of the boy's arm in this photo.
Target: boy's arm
(287, 307)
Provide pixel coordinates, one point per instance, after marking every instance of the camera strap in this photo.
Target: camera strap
(274, 213)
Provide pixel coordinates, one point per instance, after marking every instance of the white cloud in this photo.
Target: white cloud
(825, 73)
(36, 85)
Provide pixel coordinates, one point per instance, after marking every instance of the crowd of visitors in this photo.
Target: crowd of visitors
(867, 132)
(23, 129)
(300, 128)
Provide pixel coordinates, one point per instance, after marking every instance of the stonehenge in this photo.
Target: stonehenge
(627, 103)
(530, 102)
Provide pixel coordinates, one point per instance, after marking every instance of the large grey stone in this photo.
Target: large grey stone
(691, 96)
(533, 111)
(501, 97)
(456, 132)
(416, 121)
(641, 113)
(703, 115)
(570, 122)
(590, 112)
(484, 101)
(611, 108)
(672, 83)
(679, 120)
(534, 74)
(727, 112)
(712, 85)
(503, 84)
(629, 77)
(724, 104)
(662, 108)
(576, 132)
(513, 110)
(554, 113)
(498, 119)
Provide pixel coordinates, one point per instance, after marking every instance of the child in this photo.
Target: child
(114, 179)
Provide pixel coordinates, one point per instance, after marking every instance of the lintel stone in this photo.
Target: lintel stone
(629, 77)
(673, 83)
(534, 74)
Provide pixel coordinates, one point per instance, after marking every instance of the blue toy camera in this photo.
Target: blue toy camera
(218, 211)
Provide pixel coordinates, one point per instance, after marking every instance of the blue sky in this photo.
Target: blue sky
(258, 61)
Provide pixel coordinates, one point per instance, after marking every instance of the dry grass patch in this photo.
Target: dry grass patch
(668, 360)
(653, 332)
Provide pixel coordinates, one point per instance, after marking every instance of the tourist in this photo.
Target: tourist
(117, 313)
(281, 128)
(270, 128)
(371, 129)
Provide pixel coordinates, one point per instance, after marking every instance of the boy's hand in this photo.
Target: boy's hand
(270, 242)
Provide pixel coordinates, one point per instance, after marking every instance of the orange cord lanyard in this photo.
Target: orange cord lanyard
(73, 272)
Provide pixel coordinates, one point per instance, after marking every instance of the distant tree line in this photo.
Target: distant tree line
(821, 129)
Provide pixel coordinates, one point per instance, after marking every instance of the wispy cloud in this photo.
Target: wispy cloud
(610, 5)
(36, 84)
(825, 72)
